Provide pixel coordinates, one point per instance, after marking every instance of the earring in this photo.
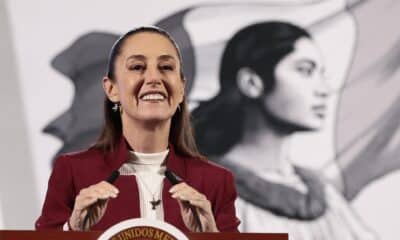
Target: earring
(116, 107)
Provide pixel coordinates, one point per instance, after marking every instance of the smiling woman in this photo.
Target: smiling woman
(150, 85)
(147, 131)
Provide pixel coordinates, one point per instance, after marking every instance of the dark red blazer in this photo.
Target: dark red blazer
(75, 171)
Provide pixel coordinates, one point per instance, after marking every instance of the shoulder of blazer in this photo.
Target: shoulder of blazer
(206, 167)
(84, 157)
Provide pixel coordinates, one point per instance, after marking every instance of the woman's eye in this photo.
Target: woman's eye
(305, 71)
(137, 67)
(167, 67)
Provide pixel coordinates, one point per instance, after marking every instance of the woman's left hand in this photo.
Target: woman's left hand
(186, 194)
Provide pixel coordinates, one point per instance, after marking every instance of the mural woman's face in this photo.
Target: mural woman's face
(300, 92)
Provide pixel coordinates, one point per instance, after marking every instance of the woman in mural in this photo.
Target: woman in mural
(272, 86)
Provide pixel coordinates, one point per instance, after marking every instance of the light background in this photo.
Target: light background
(33, 94)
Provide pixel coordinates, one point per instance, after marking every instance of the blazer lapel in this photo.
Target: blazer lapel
(118, 156)
(172, 213)
(174, 163)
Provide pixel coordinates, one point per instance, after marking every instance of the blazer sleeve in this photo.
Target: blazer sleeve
(60, 197)
(225, 212)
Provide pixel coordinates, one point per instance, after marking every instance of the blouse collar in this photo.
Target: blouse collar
(120, 155)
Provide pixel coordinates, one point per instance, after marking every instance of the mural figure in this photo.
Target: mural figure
(272, 86)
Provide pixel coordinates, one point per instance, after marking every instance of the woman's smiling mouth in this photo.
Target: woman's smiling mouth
(153, 96)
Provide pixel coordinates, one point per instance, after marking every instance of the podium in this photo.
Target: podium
(93, 235)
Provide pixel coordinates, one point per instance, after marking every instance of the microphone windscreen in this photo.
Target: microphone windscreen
(172, 177)
(114, 175)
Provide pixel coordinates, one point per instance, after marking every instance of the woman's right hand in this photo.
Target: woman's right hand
(94, 197)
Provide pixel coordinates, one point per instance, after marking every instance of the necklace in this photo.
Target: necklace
(154, 203)
(145, 163)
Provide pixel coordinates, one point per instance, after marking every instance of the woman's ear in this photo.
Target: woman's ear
(111, 90)
(249, 83)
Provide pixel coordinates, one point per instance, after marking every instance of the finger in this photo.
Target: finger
(98, 192)
(203, 205)
(96, 204)
(108, 187)
(83, 213)
(83, 202)
(181, 187)
(184, 207)
(102, 193)
(178, 187)
(189, 192)
(99, 207)
(200, 202)
(102, 190)
(90, 196)
(181, 205)
(104, 187)
(186, 194)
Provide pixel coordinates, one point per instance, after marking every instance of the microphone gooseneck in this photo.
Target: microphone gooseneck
(175, 179)
(111, 179)
(114, 175)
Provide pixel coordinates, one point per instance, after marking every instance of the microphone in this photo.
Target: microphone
(114, 175)
(172, 177)
(111, 179)
(175, 179)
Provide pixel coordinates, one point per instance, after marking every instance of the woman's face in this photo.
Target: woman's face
(300, 92)
(148, 83)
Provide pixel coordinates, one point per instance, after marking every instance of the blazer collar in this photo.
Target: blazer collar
(120, 155)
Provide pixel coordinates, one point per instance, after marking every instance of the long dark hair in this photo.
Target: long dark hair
(180, 136)
(219, 123)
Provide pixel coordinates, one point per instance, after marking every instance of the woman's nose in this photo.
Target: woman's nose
(152, 76)
(323, 89)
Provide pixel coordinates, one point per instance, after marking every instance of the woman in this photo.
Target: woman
(272, 86)
(147, 130)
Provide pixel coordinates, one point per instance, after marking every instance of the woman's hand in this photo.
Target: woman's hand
(187, 195)
(94, 197)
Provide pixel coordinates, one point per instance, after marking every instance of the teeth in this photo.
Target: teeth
(153, 96)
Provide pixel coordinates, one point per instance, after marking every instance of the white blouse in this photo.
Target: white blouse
(338, 223)
(149, 169)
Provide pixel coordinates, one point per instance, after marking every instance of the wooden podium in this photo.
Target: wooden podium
(92, 235)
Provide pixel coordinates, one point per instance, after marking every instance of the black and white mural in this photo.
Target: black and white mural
(298, 98)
